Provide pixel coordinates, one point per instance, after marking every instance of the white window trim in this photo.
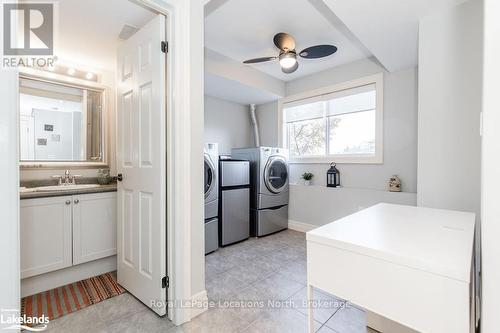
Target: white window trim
(378, 158)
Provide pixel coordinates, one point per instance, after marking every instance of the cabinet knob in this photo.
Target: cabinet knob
(119, 177)
(68, 202)
(76, 201)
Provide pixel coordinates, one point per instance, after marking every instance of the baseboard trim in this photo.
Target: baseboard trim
(199, 303)
(300, 226)
(50, 280)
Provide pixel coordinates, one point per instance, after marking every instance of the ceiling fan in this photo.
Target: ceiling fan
(288, 56)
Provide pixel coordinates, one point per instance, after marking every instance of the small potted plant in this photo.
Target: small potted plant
(307, 176)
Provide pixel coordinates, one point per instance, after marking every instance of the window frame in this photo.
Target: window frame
(378, 158)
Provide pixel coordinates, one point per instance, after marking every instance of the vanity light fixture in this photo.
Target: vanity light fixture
(73, 72)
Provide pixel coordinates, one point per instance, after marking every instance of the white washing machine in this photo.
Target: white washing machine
(269, 188)
(211, 172)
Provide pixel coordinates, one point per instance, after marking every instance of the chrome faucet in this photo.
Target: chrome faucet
(68, 179)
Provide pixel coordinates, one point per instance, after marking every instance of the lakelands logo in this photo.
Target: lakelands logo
(11, 320)
(28, 34)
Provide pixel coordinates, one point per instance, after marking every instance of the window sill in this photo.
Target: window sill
(351, 159)
(343, 188)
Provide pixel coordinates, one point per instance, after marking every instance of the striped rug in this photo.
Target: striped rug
(72, 297)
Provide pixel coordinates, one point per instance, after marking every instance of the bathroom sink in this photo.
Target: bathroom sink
(65, 187)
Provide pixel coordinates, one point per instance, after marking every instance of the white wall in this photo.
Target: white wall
(319, 205)
(400, 127)
(63, 126)
(227, 124)
(450, 80)
(196, 198)
(490, 212)
(450, 100)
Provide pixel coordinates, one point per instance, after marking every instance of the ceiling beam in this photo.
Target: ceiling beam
(336, 22)
(222, 66)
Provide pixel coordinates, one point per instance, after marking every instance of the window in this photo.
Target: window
(341, 124)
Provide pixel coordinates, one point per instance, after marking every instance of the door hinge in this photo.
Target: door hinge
(165, 282)
(164, 47)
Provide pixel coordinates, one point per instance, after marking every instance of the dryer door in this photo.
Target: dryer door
(210, 176)
(276, 174)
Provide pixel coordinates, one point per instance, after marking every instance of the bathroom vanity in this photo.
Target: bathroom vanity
(66, 235)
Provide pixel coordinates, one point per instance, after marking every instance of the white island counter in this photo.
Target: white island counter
(409, 264)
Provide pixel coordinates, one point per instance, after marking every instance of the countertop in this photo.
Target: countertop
(433, 240)
(102, 188)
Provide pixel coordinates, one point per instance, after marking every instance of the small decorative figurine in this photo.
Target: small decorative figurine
(394, 184)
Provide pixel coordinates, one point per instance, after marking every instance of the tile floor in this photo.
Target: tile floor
(255, 286)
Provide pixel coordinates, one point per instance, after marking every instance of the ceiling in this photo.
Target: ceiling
(385, 29)
(88, 30)
(388, 28)
(242, 29)
(235, 91)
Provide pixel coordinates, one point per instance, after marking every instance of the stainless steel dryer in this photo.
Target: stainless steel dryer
(269, 188)
(211, 171)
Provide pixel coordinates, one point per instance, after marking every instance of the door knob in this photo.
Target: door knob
(119, 177)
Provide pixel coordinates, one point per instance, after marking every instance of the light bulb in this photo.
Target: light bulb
(89, 76)
(288, 60)
(71, 71)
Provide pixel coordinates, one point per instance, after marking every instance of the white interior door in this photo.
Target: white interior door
(141, 160)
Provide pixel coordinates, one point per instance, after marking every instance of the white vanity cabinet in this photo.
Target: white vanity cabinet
(45, 235)
(59, 232)
(94, 226)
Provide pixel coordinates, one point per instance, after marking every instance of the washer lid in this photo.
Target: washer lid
(210, 176)
(276, 174)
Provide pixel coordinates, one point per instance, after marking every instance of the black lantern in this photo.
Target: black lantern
(333, 176)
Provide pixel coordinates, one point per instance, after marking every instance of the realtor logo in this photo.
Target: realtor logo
(28, 29)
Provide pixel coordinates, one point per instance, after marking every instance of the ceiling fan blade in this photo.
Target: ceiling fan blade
(318, 51)
(284, 42)
(291, 69)
(257, 60)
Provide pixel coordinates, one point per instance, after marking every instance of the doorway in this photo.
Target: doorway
(120, 55)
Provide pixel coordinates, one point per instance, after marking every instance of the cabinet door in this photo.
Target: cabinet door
(94, 226)
(45, 227)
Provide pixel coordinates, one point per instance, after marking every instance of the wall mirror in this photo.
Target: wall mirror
(60, 122)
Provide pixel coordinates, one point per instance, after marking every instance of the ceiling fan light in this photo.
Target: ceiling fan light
(288, 60)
